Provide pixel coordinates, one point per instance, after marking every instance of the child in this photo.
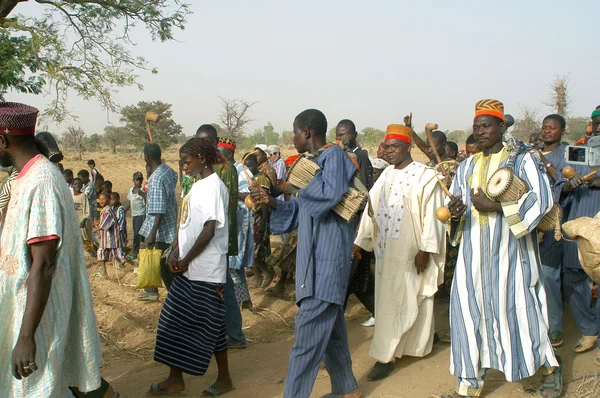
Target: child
(115, 203)
(82, 208)
(137, 202)
(110, 240)
(93, 170)
(89, 189)
(262, 243)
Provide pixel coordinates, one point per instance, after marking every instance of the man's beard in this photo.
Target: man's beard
(6, 160)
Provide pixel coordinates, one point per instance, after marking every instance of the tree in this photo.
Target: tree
(114, 136)
(576, 127)
(235, 115)
(528, 123)
(16, 60)
(271, 137)
(457, 136)
(74, 140)
(93, 142)
(559, 99)
(331, 135)
(286, 139)
(165, 132)
(371, 137)
(80, 46)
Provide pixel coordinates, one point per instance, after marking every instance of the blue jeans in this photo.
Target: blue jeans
(138, 221)
(233, 316)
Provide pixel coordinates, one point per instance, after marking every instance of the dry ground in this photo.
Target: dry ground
(128, 328)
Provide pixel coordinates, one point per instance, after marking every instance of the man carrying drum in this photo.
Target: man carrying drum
(498, 304)
(323, 262)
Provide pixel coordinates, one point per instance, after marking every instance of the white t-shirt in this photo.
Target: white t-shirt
(207, 201)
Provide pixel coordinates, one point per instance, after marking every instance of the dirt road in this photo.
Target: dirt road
(260, 370)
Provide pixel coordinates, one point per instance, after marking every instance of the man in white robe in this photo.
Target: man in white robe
(409, 245)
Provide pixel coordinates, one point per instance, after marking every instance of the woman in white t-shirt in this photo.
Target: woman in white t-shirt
(191, 327)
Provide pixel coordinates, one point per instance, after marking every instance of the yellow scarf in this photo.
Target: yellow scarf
(484, 167)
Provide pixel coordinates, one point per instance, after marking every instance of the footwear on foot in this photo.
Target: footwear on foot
(232, 345)
(147, 297)
(268, 278)
(130, 257)
(557, 338)
(380, 371)
(552, 385)
(211, 391)
(369, 323)
(445, 337)
(155, 390)
(585, 343)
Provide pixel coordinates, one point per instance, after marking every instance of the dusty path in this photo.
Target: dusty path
(260, 370)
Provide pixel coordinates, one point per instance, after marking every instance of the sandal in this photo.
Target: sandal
(585, 344)
(557, 338)
(156, 391)
(555, 386)
(211, 391)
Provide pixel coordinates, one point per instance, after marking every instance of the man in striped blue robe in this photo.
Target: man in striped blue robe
(583, 200)
(322, 263)
(498, 313)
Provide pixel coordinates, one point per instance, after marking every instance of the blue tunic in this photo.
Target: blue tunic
(580, 202)
(324, 274)
(551, 250)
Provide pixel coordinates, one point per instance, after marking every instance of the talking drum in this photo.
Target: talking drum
(504, 186)
(549, 221)
(304, 170)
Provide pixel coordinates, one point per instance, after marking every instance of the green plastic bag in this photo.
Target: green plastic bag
(149, 269)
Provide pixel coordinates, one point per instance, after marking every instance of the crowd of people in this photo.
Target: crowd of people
(506, 280)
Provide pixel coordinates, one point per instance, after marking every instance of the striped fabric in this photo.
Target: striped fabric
(498, 307)
(191, 326)
(5, 192)
(324, 272)
(320, 335)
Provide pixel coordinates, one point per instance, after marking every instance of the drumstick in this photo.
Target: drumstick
(150, 116)
(437, 157)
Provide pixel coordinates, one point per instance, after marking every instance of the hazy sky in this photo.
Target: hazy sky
(372, 62)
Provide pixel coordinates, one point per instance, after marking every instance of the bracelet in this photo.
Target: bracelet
(548, 165)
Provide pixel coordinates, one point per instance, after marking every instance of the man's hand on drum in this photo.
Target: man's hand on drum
(457, 207)
(484, 204)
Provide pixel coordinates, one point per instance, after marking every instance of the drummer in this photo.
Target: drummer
(498, 304)
(323, 263)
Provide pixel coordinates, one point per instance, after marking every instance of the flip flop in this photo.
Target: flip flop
(214, 392)
(155, 391)
(585, 343)
(556, 385)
